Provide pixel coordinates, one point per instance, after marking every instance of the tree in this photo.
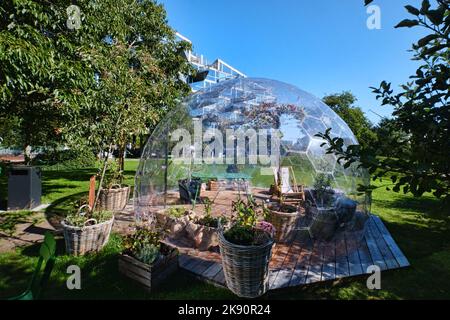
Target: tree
(343, 105)
(39, 66)
(391, 140)
(139, 71)
(421, 110)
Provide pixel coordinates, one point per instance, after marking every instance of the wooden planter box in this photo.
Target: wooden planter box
(149, 276)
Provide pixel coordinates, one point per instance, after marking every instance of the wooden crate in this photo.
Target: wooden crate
(149, 276)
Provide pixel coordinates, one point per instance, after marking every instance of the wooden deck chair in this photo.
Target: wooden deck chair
(288, 188)
(42, 271)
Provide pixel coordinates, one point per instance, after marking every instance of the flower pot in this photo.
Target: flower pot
(149, 276)
(189, 190)
(175, 226)
(213, 185)
(203, 237)
(345, 209)
(284, 219)
(113, 199)
(245, 268)
(324, 223)
(90, 238)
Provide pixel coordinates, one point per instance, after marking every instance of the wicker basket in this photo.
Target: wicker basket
(90, 238)
(246, 268)
(285, 223)
(113, 199)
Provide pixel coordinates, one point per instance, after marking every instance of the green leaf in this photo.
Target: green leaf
(407, 23)
(425, 40)
(425, 6)
(412, 10)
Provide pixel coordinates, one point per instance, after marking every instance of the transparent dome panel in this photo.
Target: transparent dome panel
(251, 136)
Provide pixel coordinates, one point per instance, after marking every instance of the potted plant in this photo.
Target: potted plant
(174, 220)
(322, 209)
(113, 195)
(86, 230)
(146, 259)
(213, 185)
(246, 249)
(284, 218)
(202, 230)
(190, 189)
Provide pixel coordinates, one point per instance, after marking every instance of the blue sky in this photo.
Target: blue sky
(321, 46)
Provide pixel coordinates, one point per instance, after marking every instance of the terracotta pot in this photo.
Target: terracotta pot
(204, 237)
(213, 185)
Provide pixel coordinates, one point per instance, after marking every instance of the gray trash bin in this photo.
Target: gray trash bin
(24, 187)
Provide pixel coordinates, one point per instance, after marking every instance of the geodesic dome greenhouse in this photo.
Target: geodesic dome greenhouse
(244, 136)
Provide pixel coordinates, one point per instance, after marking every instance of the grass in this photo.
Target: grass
(420, 226)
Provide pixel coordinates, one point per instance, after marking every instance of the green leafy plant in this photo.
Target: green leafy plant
(148, 253)
(323, 189)
(79, 220)
(244, 231)
(176, 212)
(113, 175)
(144, 244)
(208, 220)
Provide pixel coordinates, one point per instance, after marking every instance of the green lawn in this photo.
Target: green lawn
(421, 228)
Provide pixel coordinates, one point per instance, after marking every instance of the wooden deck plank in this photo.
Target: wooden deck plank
(301, 267)
(329, 261)
(375, 253)
(202, 266)
(354, 263)
(315, 265)
(212, 271)
(192, 263)
(308, 261)
(285, 274)
(342, 266)
(183, 259)
(398, 254)
(364, 255)
(278, 260)
(389, 259)
(220, 278)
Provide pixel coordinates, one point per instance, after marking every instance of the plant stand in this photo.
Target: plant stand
(149, 276)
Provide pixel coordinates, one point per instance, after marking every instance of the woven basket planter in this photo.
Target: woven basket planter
(284, 222)
(91, 238)
(114, 199)
(149, 276)
(246, 268)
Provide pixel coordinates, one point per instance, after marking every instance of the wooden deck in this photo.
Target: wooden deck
(306, 261)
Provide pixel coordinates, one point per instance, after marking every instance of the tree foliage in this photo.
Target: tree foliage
(344, 105)
(421, 110)
(112, 77)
